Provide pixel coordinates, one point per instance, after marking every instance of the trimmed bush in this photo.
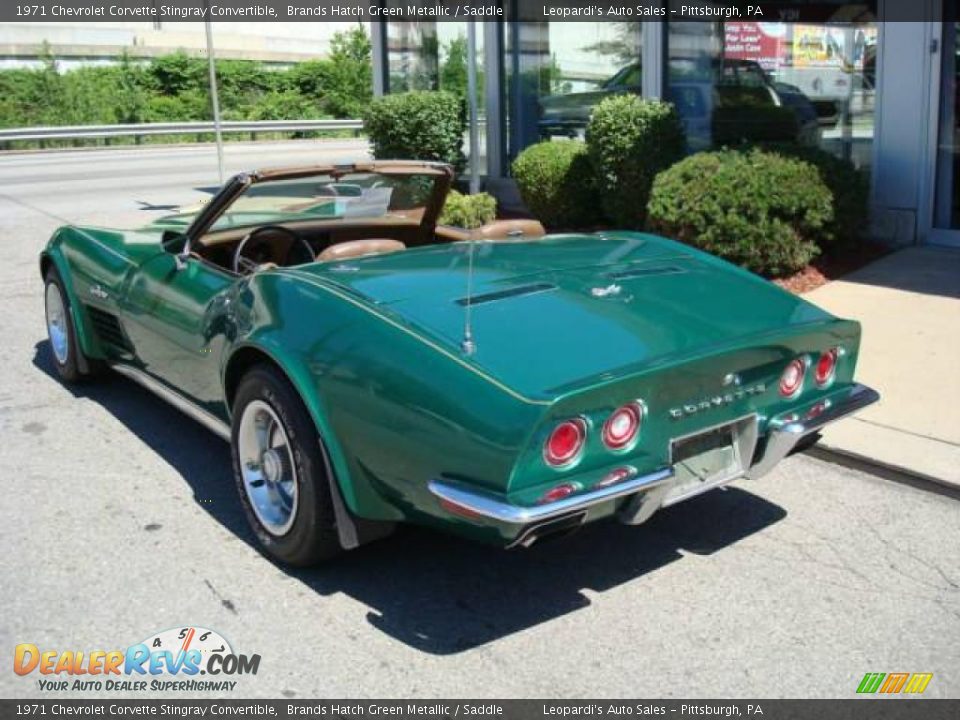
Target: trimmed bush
(850, 189)
(760, 210)
(556, 182)
(630, 140)
(468, 211)
(417, 126)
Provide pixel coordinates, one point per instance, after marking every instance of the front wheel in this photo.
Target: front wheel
(64, 348)
(280, 470)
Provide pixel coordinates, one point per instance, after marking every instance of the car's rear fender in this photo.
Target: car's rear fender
(395, 410)
(685, 395)
(270, 346)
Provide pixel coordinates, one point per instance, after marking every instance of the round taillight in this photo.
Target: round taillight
(565, 442)
(826, 366)
(792, 379)
(622, 427)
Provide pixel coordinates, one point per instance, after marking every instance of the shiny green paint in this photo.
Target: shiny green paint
(373, 348)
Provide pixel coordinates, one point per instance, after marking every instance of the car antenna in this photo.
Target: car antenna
(468, 346)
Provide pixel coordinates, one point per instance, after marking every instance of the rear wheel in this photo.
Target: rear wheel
(280, 470)
(64, 350)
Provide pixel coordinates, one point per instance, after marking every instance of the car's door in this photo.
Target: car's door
(177, 318)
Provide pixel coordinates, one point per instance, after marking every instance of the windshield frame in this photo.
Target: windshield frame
(237, 185)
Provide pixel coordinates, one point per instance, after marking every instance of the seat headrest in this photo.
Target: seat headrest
(360, 248)
(507, 230)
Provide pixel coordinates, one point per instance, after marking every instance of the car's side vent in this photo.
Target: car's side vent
(646, 272)
(508, 293)
(108, 328)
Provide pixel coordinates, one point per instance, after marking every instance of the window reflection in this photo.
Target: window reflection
(558, 71)
(947, 201)
(433, 56)
(809, 84)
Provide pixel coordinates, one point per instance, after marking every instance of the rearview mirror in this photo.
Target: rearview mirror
(173, 241)
(176, 242)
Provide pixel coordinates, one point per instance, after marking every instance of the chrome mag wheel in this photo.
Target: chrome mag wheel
(57, 323)
(266, 464)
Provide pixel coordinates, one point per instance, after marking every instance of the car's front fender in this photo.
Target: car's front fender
(53, 255)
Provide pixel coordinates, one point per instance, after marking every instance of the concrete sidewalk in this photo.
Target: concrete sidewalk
(909, 306)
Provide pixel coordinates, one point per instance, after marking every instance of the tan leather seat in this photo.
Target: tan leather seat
(360, 248)
(507, 230)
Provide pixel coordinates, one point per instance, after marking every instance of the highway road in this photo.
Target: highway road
(119, 520)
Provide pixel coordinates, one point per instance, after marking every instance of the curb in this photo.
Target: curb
(894, 473)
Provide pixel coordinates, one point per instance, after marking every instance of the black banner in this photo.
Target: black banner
(800, 11)
(861, 709)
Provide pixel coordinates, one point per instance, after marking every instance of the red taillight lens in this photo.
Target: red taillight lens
(826, 366)
(622, 427)
(565, 442)
(615, 477)
(558, 493)
(792, 379)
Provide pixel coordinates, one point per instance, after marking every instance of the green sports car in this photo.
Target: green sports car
(369, 366)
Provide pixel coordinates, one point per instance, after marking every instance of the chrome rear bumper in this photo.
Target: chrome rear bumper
(488, 506)
(783, 433)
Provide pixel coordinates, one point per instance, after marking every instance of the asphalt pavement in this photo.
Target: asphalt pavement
(119, 520)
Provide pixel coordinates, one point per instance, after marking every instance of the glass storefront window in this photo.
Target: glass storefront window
(411, 56)
(433, 56)
(810, 84)
(947, 200)
(558, 71)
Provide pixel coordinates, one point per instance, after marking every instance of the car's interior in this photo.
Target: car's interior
(335, 216)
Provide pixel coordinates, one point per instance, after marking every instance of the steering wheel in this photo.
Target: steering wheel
(253, 246)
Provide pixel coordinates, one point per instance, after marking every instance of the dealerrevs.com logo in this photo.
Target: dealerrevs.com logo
(186, 659)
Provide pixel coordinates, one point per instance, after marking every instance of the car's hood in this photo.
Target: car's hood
(570, 308)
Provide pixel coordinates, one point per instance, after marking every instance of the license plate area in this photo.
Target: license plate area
(711, 457)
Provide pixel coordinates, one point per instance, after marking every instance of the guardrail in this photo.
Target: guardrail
(86, 132)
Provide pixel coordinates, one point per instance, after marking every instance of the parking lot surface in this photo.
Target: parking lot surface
(119, 520)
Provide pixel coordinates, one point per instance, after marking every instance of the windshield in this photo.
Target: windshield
(358, 195)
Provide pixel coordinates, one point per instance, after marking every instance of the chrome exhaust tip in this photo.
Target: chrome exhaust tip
(549, 529)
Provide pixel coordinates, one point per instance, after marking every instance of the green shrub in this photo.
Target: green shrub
(850, 189)
(175, 87)
(283, 106)
(468, 211)
(630, 140)
(739, 124)
(556, 182)
(760, 210)
(417, 126)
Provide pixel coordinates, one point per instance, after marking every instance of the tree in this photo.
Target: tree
(131, 95)
(453, 70)
(348, 88)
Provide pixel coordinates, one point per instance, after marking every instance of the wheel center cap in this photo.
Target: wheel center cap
(272, 467)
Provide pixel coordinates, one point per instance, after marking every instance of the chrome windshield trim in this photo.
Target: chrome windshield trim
(187, 407)
(784, 434)
(489, 506)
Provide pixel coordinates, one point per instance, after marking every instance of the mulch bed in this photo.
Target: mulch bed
(829, 267)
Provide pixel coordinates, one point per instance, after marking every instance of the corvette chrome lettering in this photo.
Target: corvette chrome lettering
(716, 401)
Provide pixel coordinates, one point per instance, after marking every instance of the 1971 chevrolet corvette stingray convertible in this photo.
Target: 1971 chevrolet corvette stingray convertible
(369, 366)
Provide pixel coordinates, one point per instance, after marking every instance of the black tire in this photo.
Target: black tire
(67, 366)
(312, 537)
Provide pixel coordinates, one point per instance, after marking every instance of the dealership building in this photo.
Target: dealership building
(882, 94)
